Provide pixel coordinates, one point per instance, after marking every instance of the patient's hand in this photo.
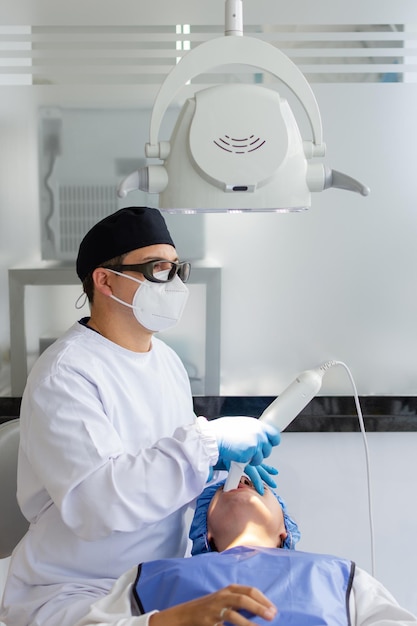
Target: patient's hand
(216, 608)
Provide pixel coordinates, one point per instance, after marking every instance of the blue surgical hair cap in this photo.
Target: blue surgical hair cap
(198, 530)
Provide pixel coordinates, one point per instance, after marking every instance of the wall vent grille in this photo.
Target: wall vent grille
(79, 208)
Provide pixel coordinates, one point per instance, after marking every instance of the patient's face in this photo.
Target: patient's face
(236, 511)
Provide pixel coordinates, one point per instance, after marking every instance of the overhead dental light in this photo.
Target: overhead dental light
(236, 147)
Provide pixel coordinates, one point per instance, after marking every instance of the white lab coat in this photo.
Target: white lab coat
(111, 453)
(370, 604)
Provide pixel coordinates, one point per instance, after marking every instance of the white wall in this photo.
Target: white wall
(323, 481)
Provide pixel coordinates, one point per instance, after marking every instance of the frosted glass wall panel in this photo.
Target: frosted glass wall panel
(337, 282)
(144, 54)
(333, 283)
(19, 205)
(189, 11)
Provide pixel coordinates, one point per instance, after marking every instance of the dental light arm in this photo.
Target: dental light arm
(233, 18)
(284, 409)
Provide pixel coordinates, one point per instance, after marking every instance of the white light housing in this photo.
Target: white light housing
(236, 147)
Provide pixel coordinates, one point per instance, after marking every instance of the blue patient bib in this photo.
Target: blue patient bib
(308, 589)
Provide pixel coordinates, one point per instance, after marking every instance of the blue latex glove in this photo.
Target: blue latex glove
(243, 439)
(260, 474)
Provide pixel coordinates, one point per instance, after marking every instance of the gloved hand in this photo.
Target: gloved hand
(243, 439)
(260, 474)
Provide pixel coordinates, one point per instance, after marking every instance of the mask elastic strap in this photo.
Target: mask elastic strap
(80, 301)
(136, 280)
(122, 301)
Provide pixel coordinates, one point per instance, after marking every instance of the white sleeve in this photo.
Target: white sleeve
(374, 605)
(116, 608)
(88, 457)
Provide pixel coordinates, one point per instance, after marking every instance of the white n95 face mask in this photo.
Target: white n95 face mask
(157, 306)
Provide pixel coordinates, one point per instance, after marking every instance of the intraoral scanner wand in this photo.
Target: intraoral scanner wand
(283, 410)
(287, 406)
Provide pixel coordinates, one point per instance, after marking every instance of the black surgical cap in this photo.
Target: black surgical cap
(121, 232)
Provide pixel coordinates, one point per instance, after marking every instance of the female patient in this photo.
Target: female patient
(239, 573)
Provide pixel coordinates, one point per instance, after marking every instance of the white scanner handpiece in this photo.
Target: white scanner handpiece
(282, 411)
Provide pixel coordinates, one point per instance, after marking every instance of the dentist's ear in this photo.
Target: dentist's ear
(103, 279)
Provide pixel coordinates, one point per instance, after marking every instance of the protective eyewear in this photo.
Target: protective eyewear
(151, 268)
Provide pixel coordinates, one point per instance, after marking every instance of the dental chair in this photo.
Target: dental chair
(13, 524)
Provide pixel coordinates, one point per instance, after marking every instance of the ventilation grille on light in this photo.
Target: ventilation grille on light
(239, 146)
